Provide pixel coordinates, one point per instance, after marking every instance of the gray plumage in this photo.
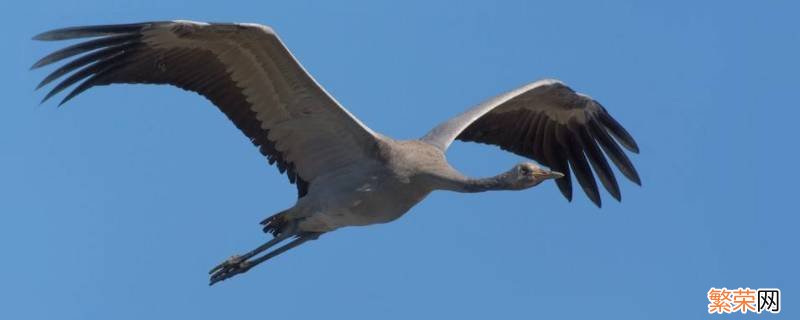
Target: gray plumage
(346, 174)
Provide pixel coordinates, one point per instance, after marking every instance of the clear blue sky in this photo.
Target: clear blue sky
(116, 206)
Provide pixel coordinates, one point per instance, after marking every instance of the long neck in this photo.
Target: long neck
(460, 183)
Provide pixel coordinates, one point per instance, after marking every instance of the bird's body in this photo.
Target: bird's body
(371, 192)
(346, 174)
(359, 194)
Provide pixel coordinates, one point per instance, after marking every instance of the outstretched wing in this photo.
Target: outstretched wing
(554, 125)
(244, 69)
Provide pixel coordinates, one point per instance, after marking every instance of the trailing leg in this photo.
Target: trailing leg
(242, 264)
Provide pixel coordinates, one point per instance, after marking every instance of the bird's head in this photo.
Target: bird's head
(529, 174)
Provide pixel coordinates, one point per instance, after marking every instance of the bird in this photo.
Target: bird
(345, 173)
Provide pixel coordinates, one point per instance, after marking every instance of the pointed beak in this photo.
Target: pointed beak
(555, 175)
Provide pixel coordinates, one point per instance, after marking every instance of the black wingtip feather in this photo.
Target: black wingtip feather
(565, 185)
(598, 161)
(577, 161)
(88, 31)
(554, 158)
(619, 132)
(78, 90)
(87, 71)
(85, 60)
(613, 151)
(84, 47)
(583, 174)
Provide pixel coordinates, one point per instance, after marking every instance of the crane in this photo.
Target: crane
(346, 174)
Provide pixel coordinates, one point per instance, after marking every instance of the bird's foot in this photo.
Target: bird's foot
(240, 264)
(229, 268)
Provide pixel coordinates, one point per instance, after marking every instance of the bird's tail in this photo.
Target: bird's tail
(277, 223)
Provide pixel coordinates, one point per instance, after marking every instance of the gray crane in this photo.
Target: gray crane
(346, 174)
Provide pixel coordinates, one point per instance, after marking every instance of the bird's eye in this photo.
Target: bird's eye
(525, 170)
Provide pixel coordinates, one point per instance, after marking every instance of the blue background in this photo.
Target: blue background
(116, 205)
